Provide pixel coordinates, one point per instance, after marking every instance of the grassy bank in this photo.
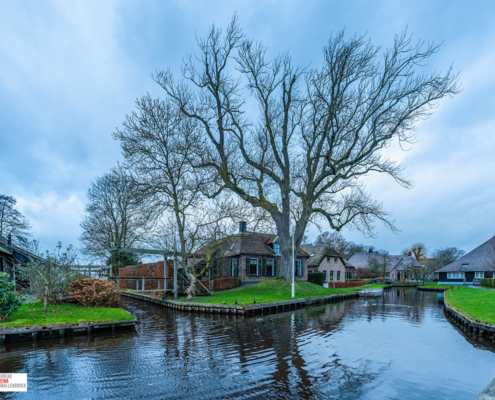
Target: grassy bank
(31, 314)
(474, 303)
(273, 290)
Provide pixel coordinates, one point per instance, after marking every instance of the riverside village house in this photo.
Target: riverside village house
(470, 268)
(10, 256)
(253, 257)
(327, 260)
(397, 265)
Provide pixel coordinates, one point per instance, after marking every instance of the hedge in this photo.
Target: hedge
(318, 278)
(489, 282)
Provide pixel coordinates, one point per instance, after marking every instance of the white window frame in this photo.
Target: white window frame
(480, 275)
(273, 266)
(455, 275)
(332, 275)
(338, 276)
(257, 267)
(276, 248)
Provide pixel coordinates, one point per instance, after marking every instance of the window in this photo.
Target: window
(331, 275)
(335, 259)
(455, 275)
(479, 275)
(205, 274)
(234, 267)
(464, 267)
(328, 258)
(276, 248)
(325, 272)
(253, 267)
(338, 276)
(269, 268)
(299, 268)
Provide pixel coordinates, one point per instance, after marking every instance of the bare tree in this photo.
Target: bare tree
(49, 274)
(12, 222)
(379, 265)
(337, 241)
(157, 142)
(317, 131)
(115, 216)
(418, 251)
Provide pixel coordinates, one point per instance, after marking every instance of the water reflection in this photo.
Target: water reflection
(399, 346)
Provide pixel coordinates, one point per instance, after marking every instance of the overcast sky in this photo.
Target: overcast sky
(70, 71)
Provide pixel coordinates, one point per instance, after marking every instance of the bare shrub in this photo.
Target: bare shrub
(90, 292)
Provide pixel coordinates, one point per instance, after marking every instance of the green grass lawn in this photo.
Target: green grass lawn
(475, 303)
(273, 290)
(31, 314)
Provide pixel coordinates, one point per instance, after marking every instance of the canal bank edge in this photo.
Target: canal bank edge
(480, 328)
(62, 330)
(277, 306)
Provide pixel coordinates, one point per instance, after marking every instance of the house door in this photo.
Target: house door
(398, 276)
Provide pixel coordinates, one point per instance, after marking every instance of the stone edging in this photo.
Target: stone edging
(466, 322)
(246, 310)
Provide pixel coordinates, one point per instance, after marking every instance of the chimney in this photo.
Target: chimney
(370, 250)
(242, 227)
(409, 254)
(9, 239)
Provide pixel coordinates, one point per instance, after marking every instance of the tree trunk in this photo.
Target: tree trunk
(191, 290)
(45, 302)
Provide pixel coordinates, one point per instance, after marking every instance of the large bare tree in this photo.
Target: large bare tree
(157, 141)
(296, 141)
(115, 216)
(12, 222)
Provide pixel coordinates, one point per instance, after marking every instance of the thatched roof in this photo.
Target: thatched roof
(481, 259)
(318, 253)
(361, 260)
(251, 244)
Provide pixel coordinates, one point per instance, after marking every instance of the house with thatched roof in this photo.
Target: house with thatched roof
(477, 264)
(252, 257)
(398, 267)
(327, 260)
(12, 255)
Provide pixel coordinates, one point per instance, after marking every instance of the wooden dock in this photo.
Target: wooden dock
(247, 310)
(62, 330)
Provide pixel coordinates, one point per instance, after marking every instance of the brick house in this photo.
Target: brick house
(326, 259)
(254, 257)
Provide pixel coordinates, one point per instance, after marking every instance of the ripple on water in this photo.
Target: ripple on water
(398, 346)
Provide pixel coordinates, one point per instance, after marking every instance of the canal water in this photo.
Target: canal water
(400, 346)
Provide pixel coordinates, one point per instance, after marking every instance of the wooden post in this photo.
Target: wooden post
(165, 273)
(137, 284)
(142, 286)
(175, 277)
(158, 284)
(118, 282)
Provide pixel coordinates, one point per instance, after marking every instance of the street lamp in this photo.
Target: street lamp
(293, 263)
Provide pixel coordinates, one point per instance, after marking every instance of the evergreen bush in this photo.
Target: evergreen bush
(318, 278)
(10, 300)
(489, 282)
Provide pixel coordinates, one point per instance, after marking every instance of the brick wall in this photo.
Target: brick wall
(341, 285)
(149, 270)
(332, 265)
(218, 284)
